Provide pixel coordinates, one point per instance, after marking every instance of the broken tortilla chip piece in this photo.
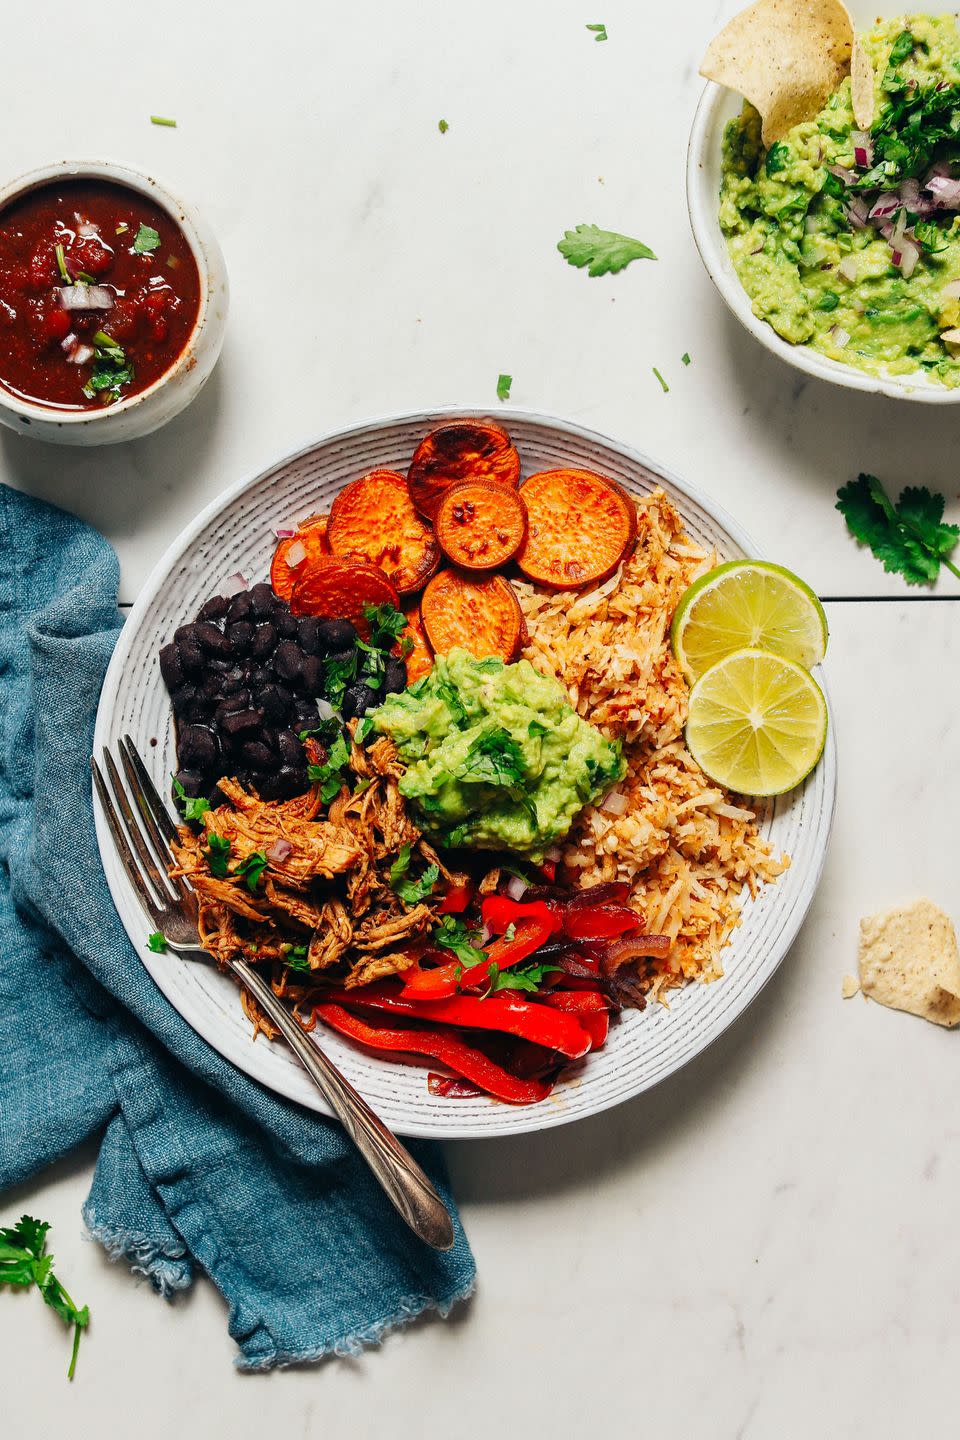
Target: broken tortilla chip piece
(850, 987)
(786, 57)
(861, 86)
(909, 961)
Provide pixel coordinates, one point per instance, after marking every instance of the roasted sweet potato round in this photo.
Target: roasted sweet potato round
(293, 551)
(480, 613)
(579, 528)
(462, 450)
(481, 526)
(419, 660)
(336, 589)
(373, 519)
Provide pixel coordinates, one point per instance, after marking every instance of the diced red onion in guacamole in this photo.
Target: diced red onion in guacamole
(838, 336)
(951, 291)
(848, 268)
(909, 255)
(945, 192)
(886, 206)
(862, 149)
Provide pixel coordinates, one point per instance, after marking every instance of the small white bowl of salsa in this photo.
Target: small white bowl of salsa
(113, 303)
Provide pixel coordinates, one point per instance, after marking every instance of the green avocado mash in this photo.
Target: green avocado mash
(498, 758)
(873, 290)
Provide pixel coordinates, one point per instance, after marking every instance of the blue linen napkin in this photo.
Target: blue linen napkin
(198, 1165)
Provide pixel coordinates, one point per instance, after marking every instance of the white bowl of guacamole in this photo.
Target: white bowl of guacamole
(838, 249)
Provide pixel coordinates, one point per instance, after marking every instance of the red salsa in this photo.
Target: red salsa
(99, 293)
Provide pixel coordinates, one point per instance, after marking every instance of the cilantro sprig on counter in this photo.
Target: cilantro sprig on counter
(909, 538)
(603, 252)
(24, 1261)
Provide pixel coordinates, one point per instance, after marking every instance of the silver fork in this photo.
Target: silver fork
(145, 854)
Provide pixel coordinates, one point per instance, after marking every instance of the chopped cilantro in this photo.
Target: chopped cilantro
(251, 869)
(454, 934)
(156, 943)
(412, 892)
(62, 264)
(494, 758)
(442, 126)
(163, 120)
(602, 251)
(828, 301)
(296, 959)
(338, 673)
(219, 848)
(364, 727)
(329, 776)
(503, 386)
(537, 727)
(147, 239)
(778, 157)
(902, 47)
(24, 1261)
(386, 624)
(685, 358)
(600, 32)
(518, 977)
(663, 384)
(909, 537)
(193, 809)
(111, 370)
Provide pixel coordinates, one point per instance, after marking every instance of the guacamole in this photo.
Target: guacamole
(497, 757)
(849, 241)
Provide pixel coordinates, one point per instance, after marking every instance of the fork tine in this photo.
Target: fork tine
(127, 857)
(156, 816)
(161, 885)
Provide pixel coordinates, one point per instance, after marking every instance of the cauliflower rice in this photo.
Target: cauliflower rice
(685, 844)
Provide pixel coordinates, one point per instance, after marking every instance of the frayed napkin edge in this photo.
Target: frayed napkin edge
(168, 1268)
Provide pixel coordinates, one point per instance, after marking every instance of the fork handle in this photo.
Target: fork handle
(406, 1185)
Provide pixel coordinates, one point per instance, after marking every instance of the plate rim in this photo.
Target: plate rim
(525, 1119)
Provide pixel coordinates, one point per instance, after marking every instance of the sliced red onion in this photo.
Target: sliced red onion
(325, 710)
(939, 167)
(516, 888)
(849, 177)
(620, 952)
(909, 193)
(486, 935)
(68, 342)
(87, 229)
(951, 291)
(616, 802)
(233, 585)
(945, 191)
(839, 337)
(909, 255)
(86, 297)
(848, 268)
(80, 354)
(857, 212)
(279, 852)
(296, 554)
(883, 208)
(283, 534)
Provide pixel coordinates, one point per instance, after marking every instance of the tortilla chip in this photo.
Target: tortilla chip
(861, 86)
(849, 987)
(909, 961)
(786, 57)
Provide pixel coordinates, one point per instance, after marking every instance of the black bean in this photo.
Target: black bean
(305, 715)
(230, 704)
(286, 627)
(290, 747)
(212, 639)
(258, 755)
(240, 721)
(183, 632)
(286, 782)
(198, 747)
(182, 698)
(240, 607)
(214, 609)
(198, 713)
(264, 641)
(218, 667)
(262, 600)
(357, 700)
(337, 635)
(257, 675)
(341, 660)
(308, 634)
(288, 660)
(191, 782)
(191, 656)
(214, 685)
(312, 674)
(394, 675)
(274, 702)
(239, 636)
(170, 667)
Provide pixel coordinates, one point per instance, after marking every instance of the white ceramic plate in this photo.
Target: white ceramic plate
(235, 533)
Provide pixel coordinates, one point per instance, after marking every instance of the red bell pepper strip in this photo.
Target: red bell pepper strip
(531, 932)
(456, 899)
(446, 1048)
(436, 984)
(590, 1007)
(504, 1013)
(452, 1087)
(601, 922)
(499, 911)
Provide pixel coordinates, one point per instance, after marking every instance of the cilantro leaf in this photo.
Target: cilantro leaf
(442, 126)
(685, 358)
(454, 934)
(251, 869)
(663, 384)
(364, 727)
(600, 32)
(147, 239)
(219, 848)
(604, 252)
(163, 120)
(329, 776)
(386, 622)
(494, 758)
(527, 977)
(295, 958)
(778, 158)
(156, 943)
(902, 47)
(193, 809)
(503, 386)
(909, 538)
(24, 1261)
(412, 892)
(338, 672)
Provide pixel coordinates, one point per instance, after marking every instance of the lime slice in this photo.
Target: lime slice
(757, 723)
(747, 603)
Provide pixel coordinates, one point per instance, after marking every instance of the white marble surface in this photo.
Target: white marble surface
(765, 1247)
